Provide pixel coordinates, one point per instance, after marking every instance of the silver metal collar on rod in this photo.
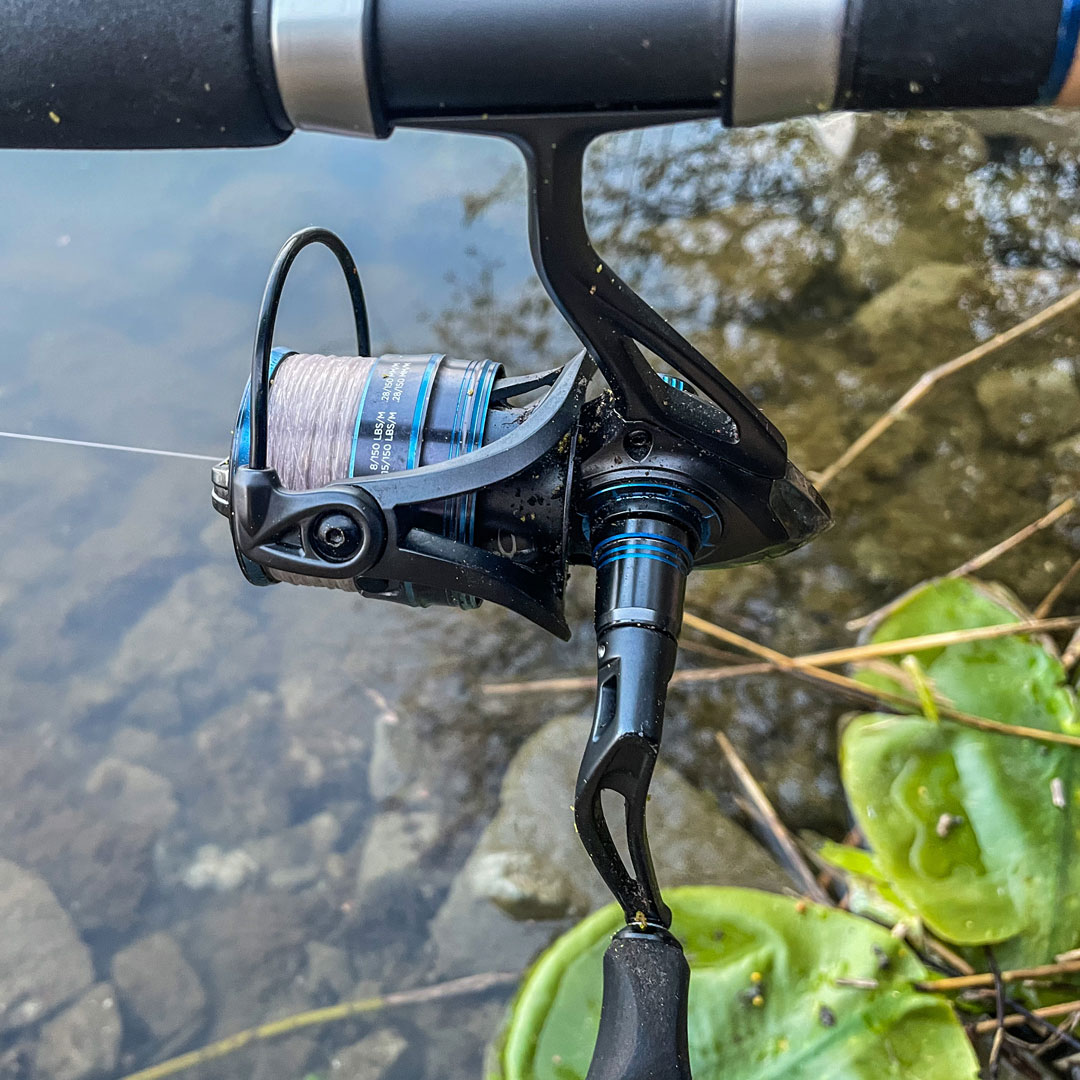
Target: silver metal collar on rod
(787, 58)
(318, 48)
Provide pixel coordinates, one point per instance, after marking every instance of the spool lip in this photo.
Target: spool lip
(241, 455)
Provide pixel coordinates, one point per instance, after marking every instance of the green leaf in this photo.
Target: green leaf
(868, 891)
(805, 1028)
(963, 823)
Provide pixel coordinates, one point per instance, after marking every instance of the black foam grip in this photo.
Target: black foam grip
(643, 1015)
(115, 74)
(922, 54)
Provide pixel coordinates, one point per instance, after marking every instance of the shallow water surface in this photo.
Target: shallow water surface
(248, 803)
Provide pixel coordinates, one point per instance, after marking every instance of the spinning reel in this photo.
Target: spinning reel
(428, 480)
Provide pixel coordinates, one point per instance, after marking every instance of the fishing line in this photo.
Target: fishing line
(312, 428)
(107, 446)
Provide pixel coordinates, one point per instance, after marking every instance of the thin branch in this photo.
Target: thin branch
(999, 1012)
(1017, 538)
(1046, 604)
(471, 984)
(931, 378)
(974, 982)
(1072, 652)
(982, 560)
(1047, 1012)
(831, 678)
(829, 658)
(804, 876)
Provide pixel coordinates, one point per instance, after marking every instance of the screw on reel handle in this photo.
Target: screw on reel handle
(643, 1017)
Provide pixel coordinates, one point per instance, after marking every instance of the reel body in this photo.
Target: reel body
(426, 480)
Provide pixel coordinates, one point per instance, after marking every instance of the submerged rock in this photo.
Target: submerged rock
(1028, 407)
(529, 863)
(396, 842)
(159, 986)
(904, 199)
(43, 963)
(82, 1042)
(371, 1058)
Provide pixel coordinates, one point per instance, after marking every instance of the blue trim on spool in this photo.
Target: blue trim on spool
(241, 455)
(423, 396)
(359, 419)
(1067, 35)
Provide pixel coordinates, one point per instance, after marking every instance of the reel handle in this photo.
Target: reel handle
(643, 1015)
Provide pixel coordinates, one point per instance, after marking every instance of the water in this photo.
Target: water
(286, 782)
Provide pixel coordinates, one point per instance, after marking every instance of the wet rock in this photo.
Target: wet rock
(240, 789)
(524, 886)
(396, 842)
(159, 987)
(752, 259)
(371, 1058)
(395, 752)
(43, 962)
(297, 857)
(252, 955)
(904, 198)
(82, 1042)
(927, 311)
(529, 860)
(133, 791)
(222, 871)
(328, 973)
(1027, 407)
(96, 852)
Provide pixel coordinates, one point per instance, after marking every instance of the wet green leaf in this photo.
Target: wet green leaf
(977, 832)
(745, 945)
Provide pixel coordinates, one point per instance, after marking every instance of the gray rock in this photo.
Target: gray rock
(751, 259)
(904, 198)
(529, 861)
(159, 986)
(927, 309)
(133, 791)
(296, 857)
(83, 1041)
(43, 962)
(97, 852)
(371, 1058)
(1027, 407)
(523, 885)
(397, 749)
(328, 969)
(397, 841)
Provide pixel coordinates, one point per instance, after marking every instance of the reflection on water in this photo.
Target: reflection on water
(251, 802)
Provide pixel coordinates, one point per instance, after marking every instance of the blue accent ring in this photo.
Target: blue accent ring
(1067, 35)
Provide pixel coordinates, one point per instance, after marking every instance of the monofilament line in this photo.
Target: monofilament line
(108, 446)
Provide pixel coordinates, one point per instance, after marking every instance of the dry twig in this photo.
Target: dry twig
(931, 378)
(986, 979)
(471, 984)
(829, 658)
(982, 560)
(1017, 538)
(804, 876)
(1047, 1012)
(842, 682)
(1046, 604)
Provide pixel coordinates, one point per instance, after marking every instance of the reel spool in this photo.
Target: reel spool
(415, 479)
(333, 419)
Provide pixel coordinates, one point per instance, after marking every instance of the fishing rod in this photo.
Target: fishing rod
(430, 480)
